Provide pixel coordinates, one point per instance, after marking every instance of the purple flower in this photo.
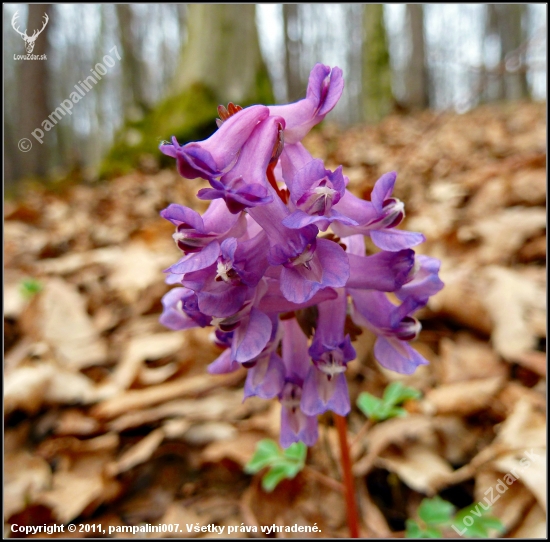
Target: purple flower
(309, 264)
(181, 310)
(394, 326)
(194, 232)
(424, 281)
(323, 92)
(325, 386)
(314, 190)
(377, 218)
(210, 158)
(295, 424)
(245, 184)
(255, 259)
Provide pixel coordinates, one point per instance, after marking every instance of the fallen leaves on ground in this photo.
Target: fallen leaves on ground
(112, 419)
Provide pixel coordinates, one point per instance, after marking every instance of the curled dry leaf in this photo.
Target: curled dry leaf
(509, 298)
(138, 453)
(78, 487)
(418, 465)
(26, 475)
(140, 349)
(59, 318)
(462, 397)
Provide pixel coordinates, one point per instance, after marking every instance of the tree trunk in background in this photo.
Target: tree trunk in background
(376, 83)
(294, 85)
(134, 72)
(223, 53)
(416, 73)
(33, 98)
(504, 22)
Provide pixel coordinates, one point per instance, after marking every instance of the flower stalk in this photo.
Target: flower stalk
(351, 504)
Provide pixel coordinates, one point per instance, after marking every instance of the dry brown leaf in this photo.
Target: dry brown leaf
(509, 297)
(462, 397)
(72, 445)
(73, 262)
(142, 348)
(25, 387)
(178, 513)
(239, 449)
(26, 476)
(503, 233)
(138, 453)
(465, 358)
(531, 469)
(419, 466)
(80, 487)
(205, 433)
(149, 376)
(533, 525)
(75, 422)
(59, 317)
(135, 399)
(461, 299)
(394, 431)
(137, 268)
(508, 502)
(28, 387)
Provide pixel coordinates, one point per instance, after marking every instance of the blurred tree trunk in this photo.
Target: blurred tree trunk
(504, 22)
(223, 53)
(376, 84)
(133, 70)
(220, 62)
(294, 83)
(33, 97)
(416, 73)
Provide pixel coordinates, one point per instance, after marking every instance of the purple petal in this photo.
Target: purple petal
(251, 336)
(266, 378)
(197, 260)
(320, 394)
(397, 355)
(385, 271)
(297, 427)
(394, 240)
(383, 189)
(223, 364)
(178, 214)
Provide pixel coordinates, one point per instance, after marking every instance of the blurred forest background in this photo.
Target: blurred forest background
(111, 419)
(395, 56)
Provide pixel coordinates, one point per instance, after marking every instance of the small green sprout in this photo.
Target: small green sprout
(30, 287)
(378, 410)
(436, 515)
(282, 463)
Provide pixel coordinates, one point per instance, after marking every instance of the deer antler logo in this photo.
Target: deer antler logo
(29, 41)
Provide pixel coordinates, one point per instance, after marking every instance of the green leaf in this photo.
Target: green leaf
(435, 511)
(282, 463)
(267, 452)
(274, 476)
(296, 452)
(30, 287)
(412, 529)
(396, 393)
(432, 532)
(372, 407)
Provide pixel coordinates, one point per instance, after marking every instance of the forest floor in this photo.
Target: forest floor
(112, 419)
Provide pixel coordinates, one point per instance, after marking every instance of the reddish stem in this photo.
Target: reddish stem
(273, 182)
(351, 506)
